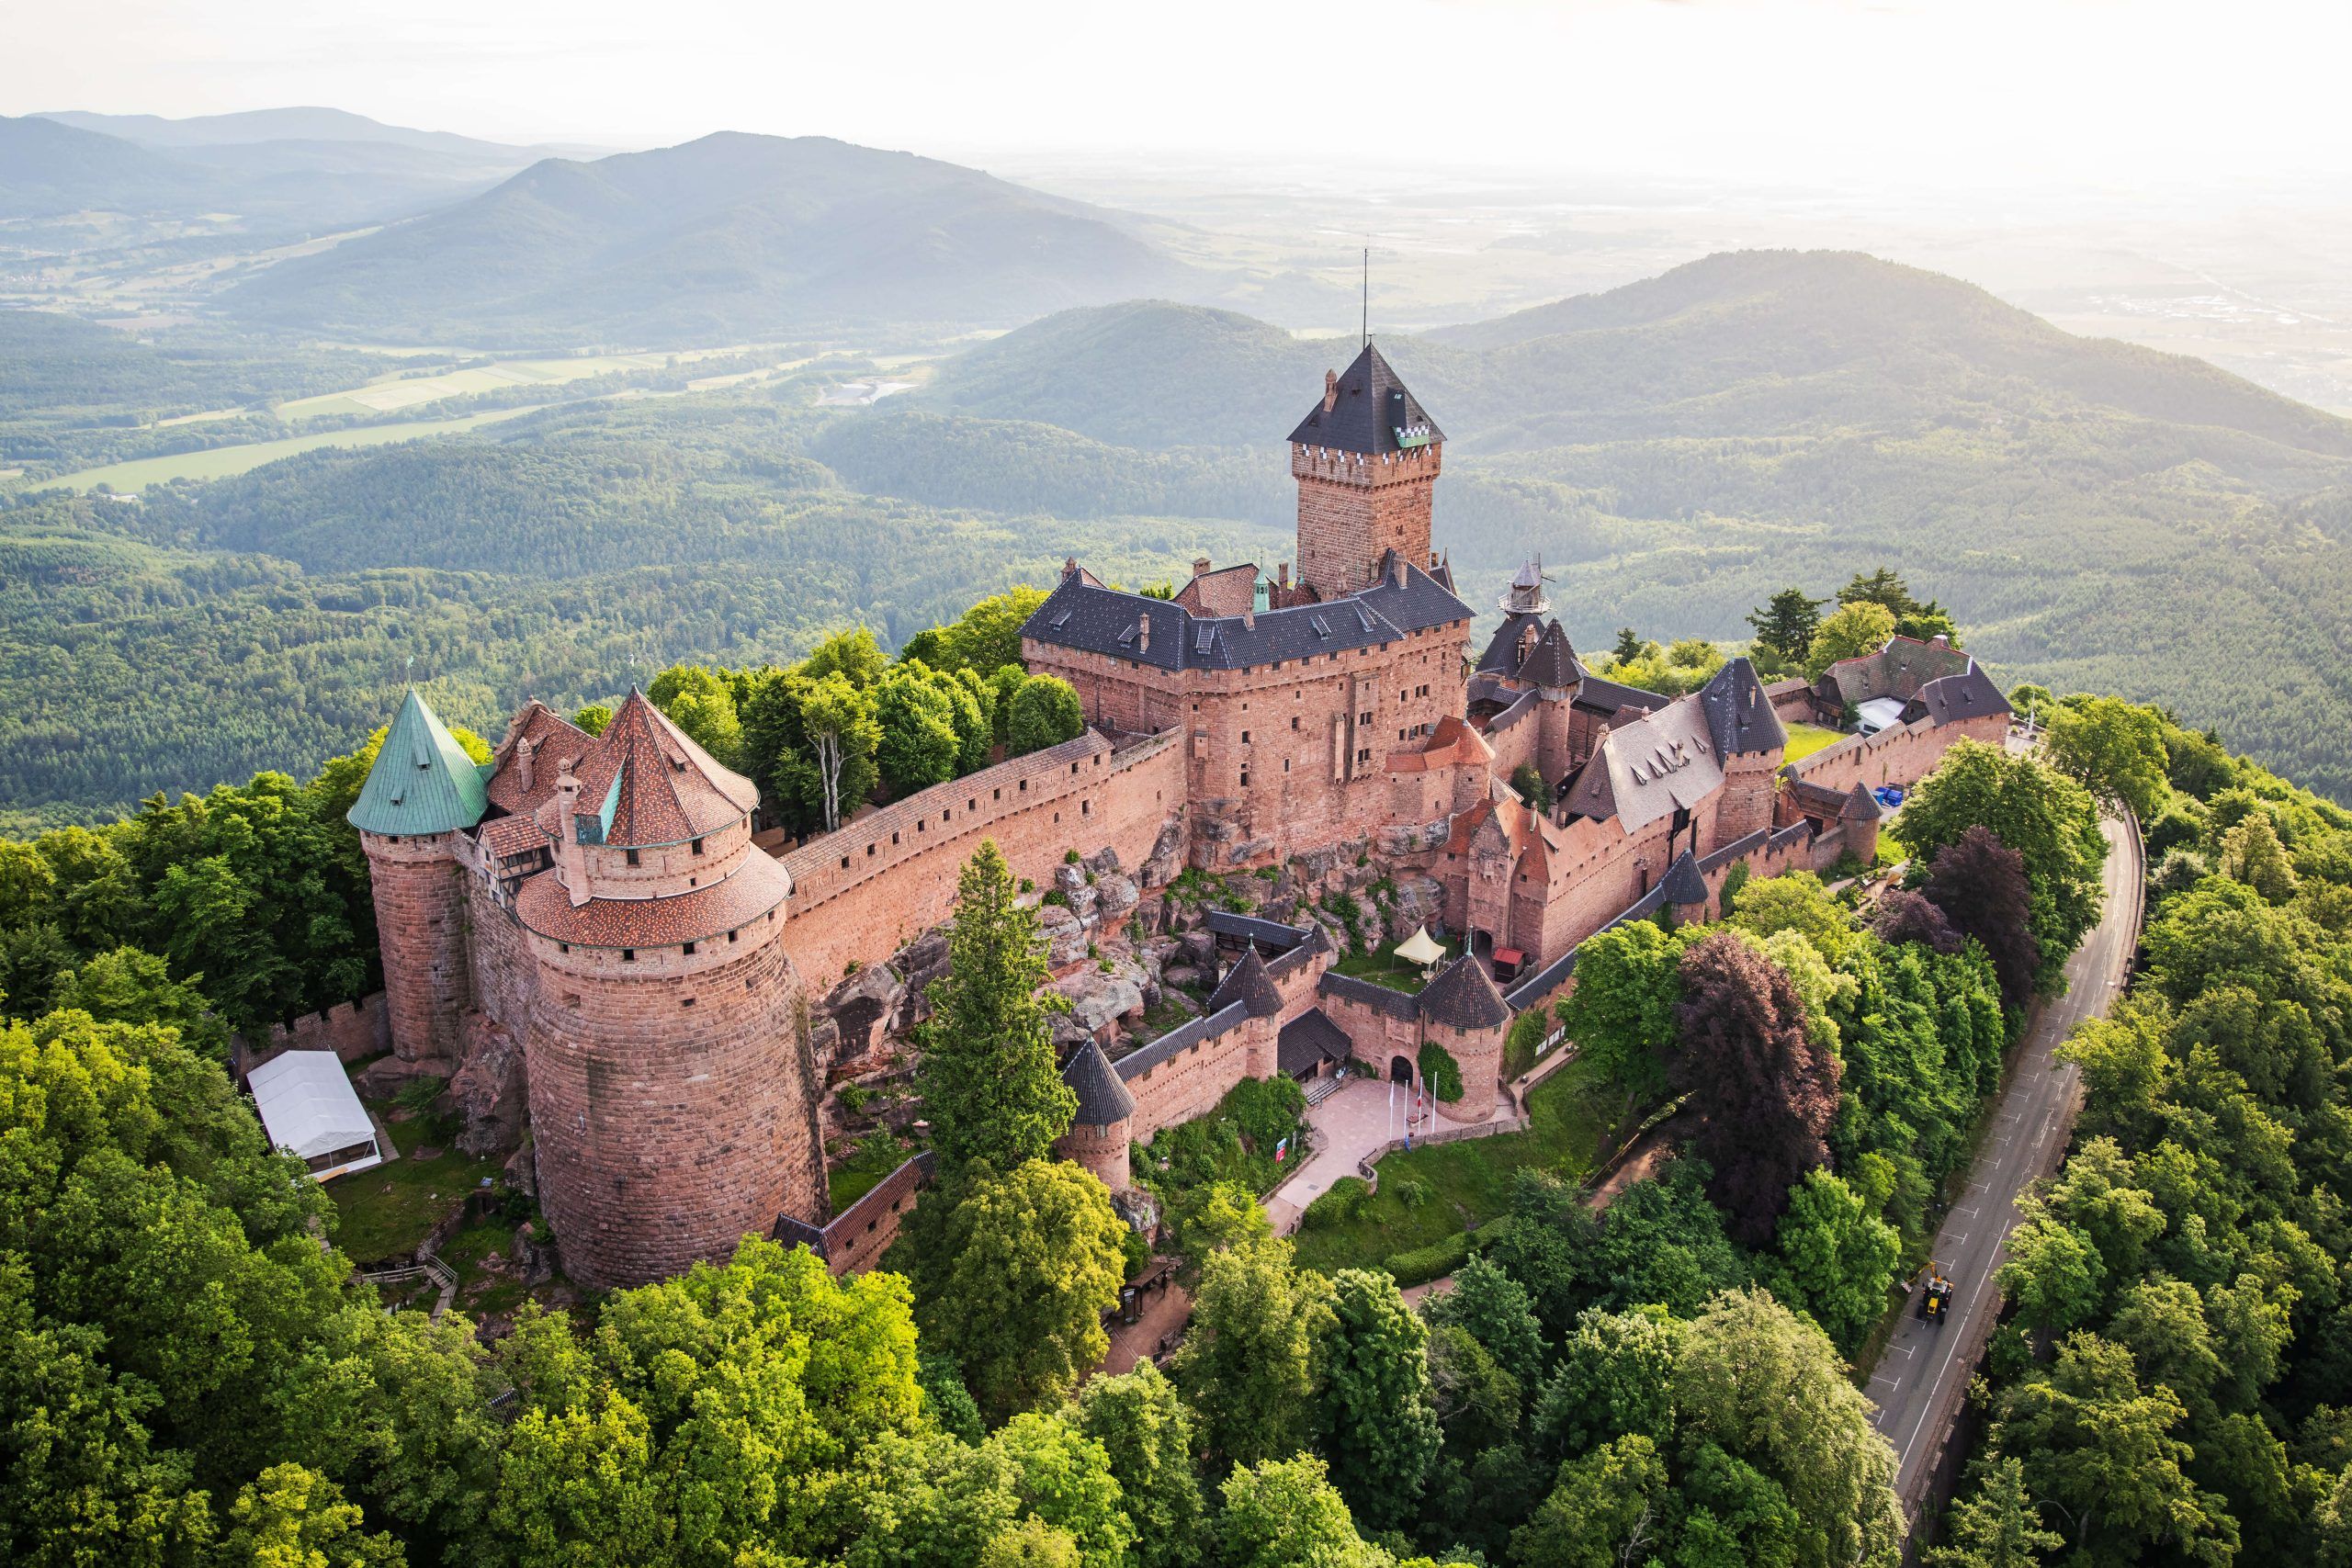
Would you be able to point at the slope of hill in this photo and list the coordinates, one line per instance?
(293, 124)
(728, 235)
(47, 169)
(2104, 517)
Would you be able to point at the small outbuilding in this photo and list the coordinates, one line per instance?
(309, 1107)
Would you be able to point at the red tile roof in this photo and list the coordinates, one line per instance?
(757, 886)
(508, 836)
(553, 738)
(671, 789)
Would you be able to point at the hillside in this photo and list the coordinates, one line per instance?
(293, 124)
(2104, 517)
(724, 237)
(48, 169)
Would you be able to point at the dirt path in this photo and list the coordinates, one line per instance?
(1131, 1343)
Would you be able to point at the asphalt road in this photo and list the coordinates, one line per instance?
(1920, 1382)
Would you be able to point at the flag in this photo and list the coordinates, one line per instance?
(1281, 1149)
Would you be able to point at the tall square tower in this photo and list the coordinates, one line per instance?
(1366, 460)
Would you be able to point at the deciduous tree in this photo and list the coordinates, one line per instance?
(1375, 1420)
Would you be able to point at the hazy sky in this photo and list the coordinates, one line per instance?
(1968, 93)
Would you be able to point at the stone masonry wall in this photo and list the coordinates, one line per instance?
(1191, 1083)
(670, 1110)
(1351, 508)
(1900, 756)
(420, 893)
(865, 891)
(353, 1031)
(504, 976)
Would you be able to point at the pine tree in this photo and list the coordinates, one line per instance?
(1785, 625)
(988, 1082)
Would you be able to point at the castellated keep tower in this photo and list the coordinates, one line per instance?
(601, 900)
(1366, 460)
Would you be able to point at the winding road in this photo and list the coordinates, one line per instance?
(1922, 1378)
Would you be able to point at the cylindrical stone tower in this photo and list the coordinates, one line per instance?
(671, 1086)
(423, 793)
(1462, 1012)
(1099, 1132)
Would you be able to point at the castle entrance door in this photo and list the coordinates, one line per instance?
(1400, 1069)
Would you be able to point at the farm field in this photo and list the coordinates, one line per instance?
(220, 462)
(390, 394)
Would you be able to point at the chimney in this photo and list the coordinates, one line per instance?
(1282, 574)
(1143, 635)
(525, 762)
(1249, 619)
(1069, 567)
(570, 857)
(1330, 391)
(1941, 640)
(1199, 565)
(1397, 570)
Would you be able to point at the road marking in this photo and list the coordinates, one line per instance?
(1970, 1211)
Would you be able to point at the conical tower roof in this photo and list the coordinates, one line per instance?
(1103, 1099)
(652, 783)
(1684, 883)
(1249, 984)
(422, 782)
(1463, 996)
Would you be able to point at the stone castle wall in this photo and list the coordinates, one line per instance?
(1900, 756)
(1191, 1083)
(671, 1101)
(419, 889)
(506, 978)
(354, 1031)
(1351, 508)
(867, 890)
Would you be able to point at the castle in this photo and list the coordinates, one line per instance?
(592, 915)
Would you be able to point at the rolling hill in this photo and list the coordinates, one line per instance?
(723, 237)
(48, 169)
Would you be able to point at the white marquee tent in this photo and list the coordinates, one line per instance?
(307, 1103)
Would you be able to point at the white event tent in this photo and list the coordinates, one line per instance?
(307, 1104)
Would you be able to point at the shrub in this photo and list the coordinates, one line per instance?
(1055, 896)
(1266, 1109)
(1412, 1191)
(1069, 857)
(1733, 880)
(1527, 1033)
(1440, 1071)
(1434, 1261)
(1342, 1203)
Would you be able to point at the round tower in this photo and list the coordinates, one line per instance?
(671, 1085)
(1099, 1132)
(422, 795)
(1462, 1012)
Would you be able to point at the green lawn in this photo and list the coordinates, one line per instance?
(384, 1213)
(1804, 740)
(1383, 967)
(1469, 1182)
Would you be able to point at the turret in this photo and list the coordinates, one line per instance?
(422, 794)
(1098, 1132)
(1366, 458)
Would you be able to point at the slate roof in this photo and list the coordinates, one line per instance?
(1085, 615)
(1249, 984)
(1951, 698)
(1273, 934)
(1609, 697)
(1184, 1036)
(1308, 1039)
(1683, 884)
(1502, 657)
(1740, 719)
(1463, 996)
(1646, 768)
(1373, 402)
(1860, 806)
(1380, 999)
(1101, 1098)
(1552, 663)
(662, 787)
(1898, 668)
(422, 781)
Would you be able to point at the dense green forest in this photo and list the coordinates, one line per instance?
(2175, 1383)
(2101, 518)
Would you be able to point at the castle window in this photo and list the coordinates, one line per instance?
(869, 850)
(1086, 808)
(1294, 721)
(628, 955)
(686, 1002)
(894, 836)
(1245, 778)
(844, 862)
(997, 793)
(971, 805)
(563, 947)
(688, 949)
(632, 857)
(1245, 738)
(572, 998)
(697, 846)
(1025, 787)
(732, 936)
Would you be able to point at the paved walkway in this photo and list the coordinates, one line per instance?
(1164, 1311)
(1923, 1371)
(1363, 1114)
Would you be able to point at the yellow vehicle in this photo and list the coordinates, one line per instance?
(1935, 1302)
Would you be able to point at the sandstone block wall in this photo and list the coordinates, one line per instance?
(504, 975)
(353, 1031)
(856, 1240)
(1900, 756)
(1351, 508)
(864, 892)
(420, 896)
(1191, 1083)
(671, 1108)
(1101, 1150)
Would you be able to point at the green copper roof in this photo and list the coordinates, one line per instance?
(422, 781)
